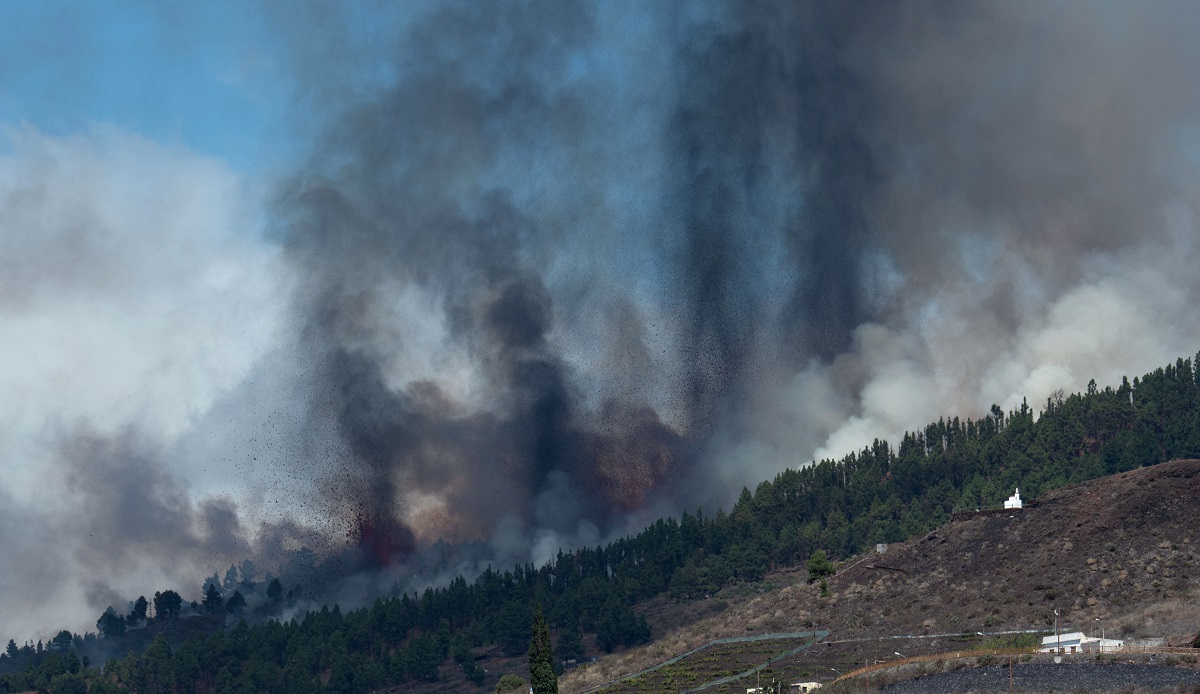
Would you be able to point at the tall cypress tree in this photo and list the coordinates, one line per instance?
(541, 657)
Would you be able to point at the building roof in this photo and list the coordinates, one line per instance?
(1072, 636)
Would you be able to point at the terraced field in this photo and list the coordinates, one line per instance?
(717, 667)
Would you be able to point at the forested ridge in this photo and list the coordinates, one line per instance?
(880, 494)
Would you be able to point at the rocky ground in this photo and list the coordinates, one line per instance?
(1121, 554)
(1048, 677)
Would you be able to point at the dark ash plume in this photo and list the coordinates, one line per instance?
(431, 188)
(556, 268)
(794, 208)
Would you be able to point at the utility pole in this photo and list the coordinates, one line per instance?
(1057, 636)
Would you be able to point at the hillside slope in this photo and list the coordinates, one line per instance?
(1119, 553)
(1096, 550)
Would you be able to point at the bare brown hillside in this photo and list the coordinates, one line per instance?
(1118, 553)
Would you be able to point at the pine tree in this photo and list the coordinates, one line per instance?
(541, 657)
(570, 641)
(138, 615)
(110, 625)
(236, 603)
(212, 599)
(167, 604)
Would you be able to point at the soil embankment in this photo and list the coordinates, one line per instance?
(1048, 677)
(1119, 554)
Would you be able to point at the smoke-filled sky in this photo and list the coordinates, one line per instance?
(526, 275)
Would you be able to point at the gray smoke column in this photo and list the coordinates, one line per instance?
(640, 242)
(554, 269)
(398, 206)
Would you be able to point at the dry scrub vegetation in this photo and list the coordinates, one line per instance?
(1119, 552)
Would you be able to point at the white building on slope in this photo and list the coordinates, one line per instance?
(1076, 642)
(1014, 501)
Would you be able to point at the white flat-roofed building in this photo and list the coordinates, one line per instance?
(1078, 642)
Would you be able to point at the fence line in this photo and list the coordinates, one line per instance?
(815, 635)
(1032, 650)
(1155, 650)
(935, 656)
(820, 634)
(756, 668)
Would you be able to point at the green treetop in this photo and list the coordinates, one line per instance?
(541, 657)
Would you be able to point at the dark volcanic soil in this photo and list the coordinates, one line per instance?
(1095, 551)
(1042, 677)
(1121, 553)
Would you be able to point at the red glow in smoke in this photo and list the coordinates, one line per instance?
(381, 539)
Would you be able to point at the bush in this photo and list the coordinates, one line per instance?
(819, 566)
(510, 683)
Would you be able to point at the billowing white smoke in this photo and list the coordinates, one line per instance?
(1132, 312)
(1035, 221)
(134, 293)
(1009, 210)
